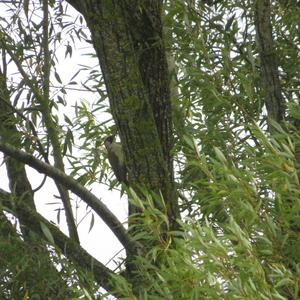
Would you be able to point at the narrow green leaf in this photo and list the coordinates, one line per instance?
(57, 77)
(92, 222)
(47, 233)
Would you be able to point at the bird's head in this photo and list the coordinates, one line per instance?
(109, 140)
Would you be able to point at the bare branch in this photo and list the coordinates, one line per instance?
(107, 216)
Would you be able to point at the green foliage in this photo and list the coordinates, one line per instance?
(238, 184)
(22, 263)
(240, 241)
(25, 272)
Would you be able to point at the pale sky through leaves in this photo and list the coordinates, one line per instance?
(99, 242)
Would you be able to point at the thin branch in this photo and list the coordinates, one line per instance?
(52, 127)
(67, 181)
(46, 53)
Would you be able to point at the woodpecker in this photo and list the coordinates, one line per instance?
(116, 158)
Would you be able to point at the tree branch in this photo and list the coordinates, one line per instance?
(52, 126)
(107, 216)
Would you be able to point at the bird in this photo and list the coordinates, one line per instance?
(116, 158)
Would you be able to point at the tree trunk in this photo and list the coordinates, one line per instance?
(128, 42)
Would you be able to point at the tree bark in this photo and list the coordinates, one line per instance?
(129, 45)
(269, 68)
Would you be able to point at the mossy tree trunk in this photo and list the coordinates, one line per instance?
(127, 37)
(128, 41)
